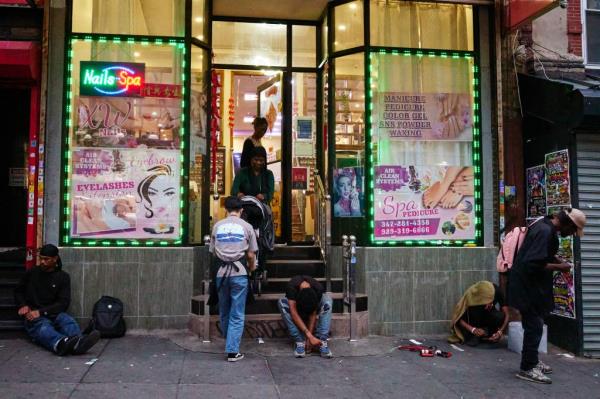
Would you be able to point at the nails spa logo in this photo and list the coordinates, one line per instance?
(111, 79)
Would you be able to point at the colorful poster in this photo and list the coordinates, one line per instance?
(271, 104)
(536, 192)
(424, 116)
(424, 203)
(125, 193)
(557, 179)
(564, 283)
(299, 178)
(348, 196)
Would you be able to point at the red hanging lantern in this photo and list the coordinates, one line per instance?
(215, 88)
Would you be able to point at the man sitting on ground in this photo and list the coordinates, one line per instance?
(476, 317)
(306, 311)
(43, 296)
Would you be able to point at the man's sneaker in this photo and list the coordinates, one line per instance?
(544, 368)
(234, 357)
(85, 342)
(300, 350)
(325, 351)
(65, 346)
(534, 375)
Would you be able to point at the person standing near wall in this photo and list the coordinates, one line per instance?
(233, 242)
(530, 284)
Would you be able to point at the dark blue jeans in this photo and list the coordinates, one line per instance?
(47, 332)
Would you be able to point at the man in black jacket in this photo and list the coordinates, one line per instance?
(530, 284)
(43, 296)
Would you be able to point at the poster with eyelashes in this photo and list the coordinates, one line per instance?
(128, 193)
(424, 203)
(423, 116)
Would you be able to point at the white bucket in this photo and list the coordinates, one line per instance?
(515, 338)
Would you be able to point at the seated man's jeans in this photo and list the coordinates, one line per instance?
(232, 306)
(323, 319)
(47, 332)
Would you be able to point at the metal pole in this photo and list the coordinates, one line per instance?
(206, 292)
(352, 281)
(345, 253)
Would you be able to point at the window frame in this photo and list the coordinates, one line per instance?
(584, 37)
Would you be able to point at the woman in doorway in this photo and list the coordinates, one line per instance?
(255, 180)
(260, 128)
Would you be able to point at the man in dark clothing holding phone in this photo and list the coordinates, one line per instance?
(43, 296)
(306, 311)
(530, 284)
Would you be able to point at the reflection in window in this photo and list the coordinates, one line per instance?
(199, 19)
(134, 17)
(396, 23)
(241, 43)
(304, 46)
(349, 31)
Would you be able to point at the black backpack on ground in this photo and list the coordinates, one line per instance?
(107, 318)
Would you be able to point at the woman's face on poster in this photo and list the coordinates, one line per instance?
(345, 187)
(163, 194)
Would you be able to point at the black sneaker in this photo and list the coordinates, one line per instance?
(65, 346)
(234, 357)
(85, 342)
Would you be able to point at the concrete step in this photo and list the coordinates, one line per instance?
(296, 252)
(286, 268)
(11, 270)
(271, 326)
(11, 325)
(267, 303)
(279, 284)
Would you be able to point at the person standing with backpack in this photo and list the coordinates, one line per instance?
(530, 284)
(233, 243)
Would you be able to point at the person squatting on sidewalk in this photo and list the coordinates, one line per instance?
(304, 299)
(43, 296)
(530, 284)
(233, 243)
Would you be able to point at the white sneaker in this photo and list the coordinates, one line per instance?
(234, 357)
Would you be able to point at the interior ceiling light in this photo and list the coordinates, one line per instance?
(342, 27)
(353, 6)
(136, 54)
(200, 37)
(250, 97)
(198, 19)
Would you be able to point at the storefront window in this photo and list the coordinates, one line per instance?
(348, 173)
(199, 19)
(199, 107)
(304, 46)
(349, 26)
(399, 23)
(425, 147)
(241, 43)
(124, 160)
(130, 17)
(324, 40)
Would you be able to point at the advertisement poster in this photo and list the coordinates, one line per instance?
(123, 122)
(557, 179)
(536, 192)
(424, 116)
(424, 203)
(564, 283)
(299, 178)
(271, 105)
(348, 196)
(125, 193)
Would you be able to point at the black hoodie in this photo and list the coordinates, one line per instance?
(47, 292)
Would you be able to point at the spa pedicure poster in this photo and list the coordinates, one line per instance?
(424, 203)
(125, 193)
(423, 116)
(536, 192)
(558, 190)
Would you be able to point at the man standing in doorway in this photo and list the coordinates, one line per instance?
(306, 311)
(43, 296)
(233, 243)
(530, 284)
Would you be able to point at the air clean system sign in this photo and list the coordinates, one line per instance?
(111, 79)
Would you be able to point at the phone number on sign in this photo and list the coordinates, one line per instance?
(404, 223)
(405, 231)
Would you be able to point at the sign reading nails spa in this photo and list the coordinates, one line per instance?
(111, 79)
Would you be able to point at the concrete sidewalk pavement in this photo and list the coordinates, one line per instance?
(179, 365)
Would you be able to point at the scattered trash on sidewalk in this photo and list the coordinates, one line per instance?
(458, 348)
(426, 351)
(567, 355)
(92, 361)
(67, 368)
(260, 340)
(414, 341)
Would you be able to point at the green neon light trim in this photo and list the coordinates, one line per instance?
(476, 147)
(178, 43)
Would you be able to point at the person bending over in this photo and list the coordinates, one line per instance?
(306, 311)
(43, 296)
(476, 316)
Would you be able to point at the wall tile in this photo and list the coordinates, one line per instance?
(75, 271)
(165, 289)
(119, 280)
(390, 295)
(435, 295)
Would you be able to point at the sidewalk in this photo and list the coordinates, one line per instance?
(178, 365)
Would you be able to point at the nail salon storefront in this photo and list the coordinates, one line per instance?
(390, 101)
